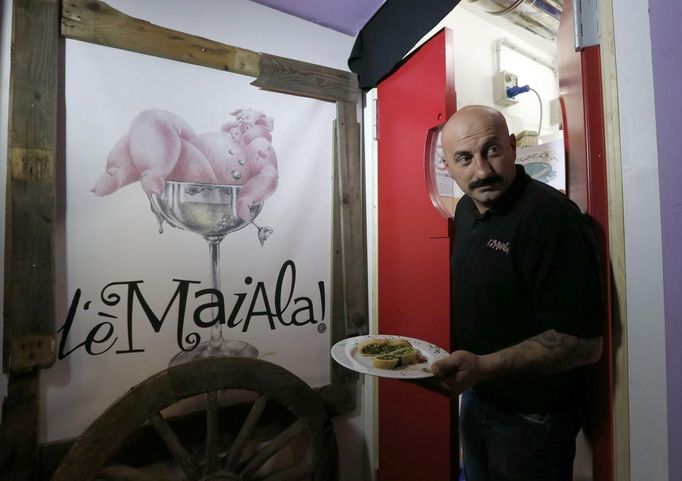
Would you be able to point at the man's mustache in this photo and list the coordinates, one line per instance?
(493, 179)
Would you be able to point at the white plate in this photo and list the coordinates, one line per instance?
(346, 353)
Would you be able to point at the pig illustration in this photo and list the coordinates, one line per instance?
(253, 166)
(192, 166)
(120, 170)
(249, 124)
(149, 152)
(160, 146)
(263, 178)
(226, 157)
(253, 117)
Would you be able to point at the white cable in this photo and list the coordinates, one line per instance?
(540, 101)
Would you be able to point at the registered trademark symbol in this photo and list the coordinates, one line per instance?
(321, 327)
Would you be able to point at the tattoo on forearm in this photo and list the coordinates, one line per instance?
(548, 352)
(553, 340)
(568, 350)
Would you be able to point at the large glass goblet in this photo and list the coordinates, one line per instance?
(210, 211)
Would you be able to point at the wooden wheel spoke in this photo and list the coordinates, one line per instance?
(127, 431)
(212, 433)
(174, 445)
(126, 473)
(261, 456)
(245, 432)
(290, 473)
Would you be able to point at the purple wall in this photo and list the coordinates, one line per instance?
(346, 16)
(666, 38)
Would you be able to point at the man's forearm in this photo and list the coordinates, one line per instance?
(546, 353)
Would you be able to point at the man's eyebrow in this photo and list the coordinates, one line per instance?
(461, 152)
(491, 141)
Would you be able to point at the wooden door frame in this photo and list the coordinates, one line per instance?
(34, 144)
(620, 413)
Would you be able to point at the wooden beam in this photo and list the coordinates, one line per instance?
(30, 213)
(285, 75)
(29, 251)
(351, 197)
(19, 434)
(96, 22)
(349, 255)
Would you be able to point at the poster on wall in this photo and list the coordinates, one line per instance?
(197, 222)
(545, 162)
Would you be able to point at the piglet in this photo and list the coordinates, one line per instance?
(120, 170)
(192, 166)
(262, 176)
(155, 144)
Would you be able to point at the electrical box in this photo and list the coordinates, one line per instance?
(501, 81)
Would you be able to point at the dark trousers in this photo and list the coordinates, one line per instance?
(507, 446)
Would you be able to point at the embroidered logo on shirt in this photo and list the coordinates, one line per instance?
(498, 245)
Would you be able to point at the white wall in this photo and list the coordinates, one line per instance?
(249, 26)
(475, 36)
(646, 343)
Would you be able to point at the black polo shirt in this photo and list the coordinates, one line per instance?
(529, 264)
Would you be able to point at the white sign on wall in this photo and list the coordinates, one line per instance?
(545, 162)
(161, 259)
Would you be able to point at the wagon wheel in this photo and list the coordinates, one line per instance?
(89, 457)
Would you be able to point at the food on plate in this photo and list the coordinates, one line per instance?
(385, 361)
(375, 347)
(406, 355)
(389, 353)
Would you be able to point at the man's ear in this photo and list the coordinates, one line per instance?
(512, 141)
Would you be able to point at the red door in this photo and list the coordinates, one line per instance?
(416, 431)
(583, 123)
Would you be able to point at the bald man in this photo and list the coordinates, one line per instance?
(527, 308)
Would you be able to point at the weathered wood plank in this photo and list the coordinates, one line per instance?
(285, 75)
(30, 212)
(350, 172)
(29, 259)
(96, 22)
(31, 351)
(19, 435)
(350, 306)
(341, 377)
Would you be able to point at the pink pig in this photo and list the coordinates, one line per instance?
(149, 152)
(253, 166)
(225, 156)
(120, 169)
(262, 162)
(160, 146)
(249, 125)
